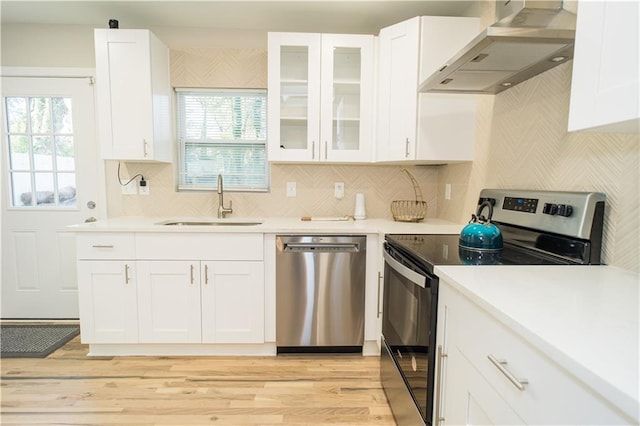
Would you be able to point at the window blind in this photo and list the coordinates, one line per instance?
(223, 132)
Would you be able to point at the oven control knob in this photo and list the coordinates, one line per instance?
(565, 210)
(551, 209)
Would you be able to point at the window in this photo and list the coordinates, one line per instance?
(42, 169)
(223, 132)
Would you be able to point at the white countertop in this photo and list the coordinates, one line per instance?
(292, 225)
(585, 318)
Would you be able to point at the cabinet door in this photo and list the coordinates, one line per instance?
(398, 90)
(470, 399)
(463, 395)
(346, 109)
(605, 89)
(108, 302)
(133, 95)
(169, 301)
(294, 96)
(233, 302)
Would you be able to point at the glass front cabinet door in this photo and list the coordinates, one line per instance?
(320, 97)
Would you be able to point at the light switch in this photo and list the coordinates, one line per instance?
(291, 189)
(339, 190)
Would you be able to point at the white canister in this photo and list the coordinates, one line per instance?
(359, 212)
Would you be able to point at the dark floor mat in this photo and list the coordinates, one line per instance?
(34, 341)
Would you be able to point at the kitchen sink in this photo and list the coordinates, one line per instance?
(206, 223)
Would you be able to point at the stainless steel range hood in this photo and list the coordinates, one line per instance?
(530, 37)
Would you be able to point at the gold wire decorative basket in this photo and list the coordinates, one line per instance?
(410, 210)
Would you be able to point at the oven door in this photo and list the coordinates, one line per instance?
(409, 325)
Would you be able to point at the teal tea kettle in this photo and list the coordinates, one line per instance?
(480, 240)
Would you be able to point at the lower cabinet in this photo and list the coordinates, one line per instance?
(201, 301)
(161, 296)
(169, 301)
(469, 397)
(232, 299)
(489, 374)
(108, 301)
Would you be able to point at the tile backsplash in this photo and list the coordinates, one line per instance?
(315, 192)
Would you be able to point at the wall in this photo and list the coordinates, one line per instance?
(28, 45)
(522, 142)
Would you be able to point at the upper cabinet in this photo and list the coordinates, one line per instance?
(133, 95)
(321, 94)
(605, 94)
(422, 127)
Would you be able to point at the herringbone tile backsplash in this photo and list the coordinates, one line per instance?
(521, 141)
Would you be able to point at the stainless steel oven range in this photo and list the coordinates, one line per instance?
(538, 228)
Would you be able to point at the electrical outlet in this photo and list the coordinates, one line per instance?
(447, 191)
(130, 189)
(291, 189)
(338, 190)
(144, 189)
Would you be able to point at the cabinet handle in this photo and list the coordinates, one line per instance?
(378, 305)
(500, 365)
(144, 147)
(102, 246)
(191, 273)
(126, 274)
(406, 148)
(441, 356)
(206, 274)
(325, 149)
(313, 150)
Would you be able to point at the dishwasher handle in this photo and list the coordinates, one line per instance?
(321, 247)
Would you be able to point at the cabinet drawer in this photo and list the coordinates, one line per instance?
(550, 396)
(105, 246)
(188, 246)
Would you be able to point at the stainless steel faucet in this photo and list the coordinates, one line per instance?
(222, 210)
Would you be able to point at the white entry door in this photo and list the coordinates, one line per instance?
(52, 177)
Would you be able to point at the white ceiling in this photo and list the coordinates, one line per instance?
(354, 16)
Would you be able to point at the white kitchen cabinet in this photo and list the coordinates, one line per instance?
(422, 127)
(169, 301)
(172, 293)
(133, 96)
(108, 301)
(605, 93)
(471, 389)
(233, 302)
(201, 301)
(321, 93)
(107, 289)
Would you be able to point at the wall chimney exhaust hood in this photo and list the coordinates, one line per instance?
(530, 37)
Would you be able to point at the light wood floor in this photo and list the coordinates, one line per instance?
(68, 388)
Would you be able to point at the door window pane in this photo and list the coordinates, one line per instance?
(17, 115)
(40, 115)
(62, 122)
(22, 197)
(41, 152)
(19, 152)
(64, 153)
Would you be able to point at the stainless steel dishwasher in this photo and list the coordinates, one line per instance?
(320, 290)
